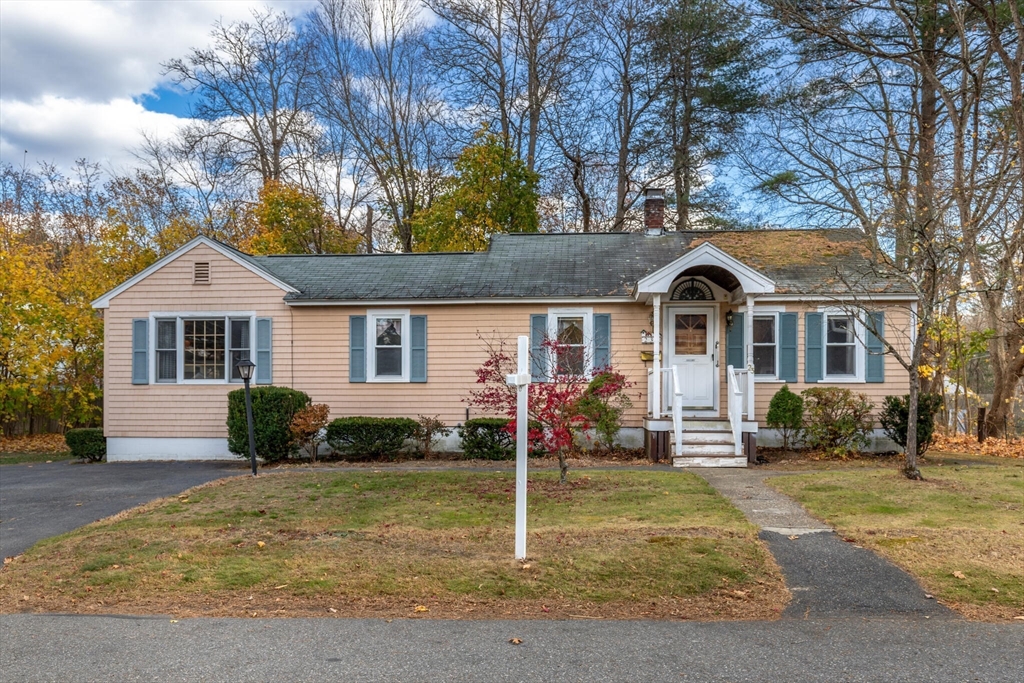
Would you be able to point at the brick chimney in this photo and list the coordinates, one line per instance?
(654, 211)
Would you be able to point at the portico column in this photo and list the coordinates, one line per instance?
(748, 335)
(656, 385)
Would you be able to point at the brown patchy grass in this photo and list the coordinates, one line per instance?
(412, 544)
(960, 532)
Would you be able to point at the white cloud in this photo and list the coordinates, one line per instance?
(62, 129)
(70, 69)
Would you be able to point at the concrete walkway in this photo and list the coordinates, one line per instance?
(827, 576)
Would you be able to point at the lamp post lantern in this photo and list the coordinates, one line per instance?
(246, 369)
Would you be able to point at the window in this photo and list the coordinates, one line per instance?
(200, 347)
(572, 329)
(167, 350)
(388, 340)
(240, 339)
(766, 346)
(840, 346)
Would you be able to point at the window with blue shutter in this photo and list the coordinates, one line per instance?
(357, 348)
(264, 351)
(418, 348)
(602, 341)
(734, 352)
(874, 363)
(140, 351)
(538, 354)
(787, 347)
(812, 347)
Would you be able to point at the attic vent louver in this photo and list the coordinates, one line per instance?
(201, 273)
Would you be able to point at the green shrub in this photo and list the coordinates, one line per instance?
(362, 438)
(487, 438)
(895, 414)
(273, 409)
(87, 444)
(836, 420)
(786, 414)
(603, 403)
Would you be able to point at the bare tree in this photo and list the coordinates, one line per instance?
(253, 89)
(373, 86)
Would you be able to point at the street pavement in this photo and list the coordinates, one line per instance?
(46, 499)
(71, 649)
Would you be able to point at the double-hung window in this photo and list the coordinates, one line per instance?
(766, 346)
(840, 346)
(571, 331)
(389, 338)
(201, 347)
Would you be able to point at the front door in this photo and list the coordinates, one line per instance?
(691, 348)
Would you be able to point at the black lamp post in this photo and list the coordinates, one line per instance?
(246, 369)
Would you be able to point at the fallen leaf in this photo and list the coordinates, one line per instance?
(526, 566)
(1019, 618)
(174, 621)
(332, 610)
(283, 585)
(959, 575)
(929, 596)
(515, 641)
(420, 608)
(793, 537)
(260, 543)
(994, 590)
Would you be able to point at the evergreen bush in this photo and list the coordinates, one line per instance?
(87, 444)
(365, 438)
(273, 409)
(786, 414)
(896, 413)
(836, 420)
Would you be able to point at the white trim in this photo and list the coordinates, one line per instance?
(180, 317)
(588, 333)
(104, 301)
(707, 254)
(371, 345)
(862, 298)
(468, 301)
(860, 349)
(760, 312)
(136, 448)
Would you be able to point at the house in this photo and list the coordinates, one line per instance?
(707, 325)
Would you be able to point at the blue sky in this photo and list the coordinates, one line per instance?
(81, 78)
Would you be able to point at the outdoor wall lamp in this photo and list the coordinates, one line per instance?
(728, 319)
(246, 369)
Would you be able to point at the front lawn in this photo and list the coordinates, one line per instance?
(960, 532)
(438, 544)
(19, 458)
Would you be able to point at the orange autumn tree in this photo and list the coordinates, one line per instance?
(288, 220)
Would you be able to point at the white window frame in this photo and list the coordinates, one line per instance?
(858, 345)
(765, 312)
(371, 344)
(180, 317)
(588, 334)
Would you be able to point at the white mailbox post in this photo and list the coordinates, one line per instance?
(521, 380)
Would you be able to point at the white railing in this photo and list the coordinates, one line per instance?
(735, 409)
(672, 381)
(744, 382)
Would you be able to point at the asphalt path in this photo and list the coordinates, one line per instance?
(46, 499)
(55, 648)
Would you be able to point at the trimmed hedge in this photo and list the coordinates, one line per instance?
(272, 411)
(486, 438)
(896, 413)
(87, 444)
(363, 438)
(836, 420)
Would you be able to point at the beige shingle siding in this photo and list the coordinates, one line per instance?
(183, 410)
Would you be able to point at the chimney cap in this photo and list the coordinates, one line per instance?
(654, 192)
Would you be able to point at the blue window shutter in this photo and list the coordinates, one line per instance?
(734, 354)
(140, 351)
(418, 348)
(357, 348)
(264, 351)
(787, 347)
(874, 364)
(812, 348)
(538, 354)
(602, 340)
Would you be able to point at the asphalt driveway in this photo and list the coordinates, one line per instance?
(45, 499)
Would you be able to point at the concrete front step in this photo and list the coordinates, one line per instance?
(708, 449)
(706, 437)
(707, 425)
(709, 461)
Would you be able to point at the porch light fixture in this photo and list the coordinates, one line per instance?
(728, 319)
(246, 369)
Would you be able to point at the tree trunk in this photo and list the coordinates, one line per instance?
(563, 467)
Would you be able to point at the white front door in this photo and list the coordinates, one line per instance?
(692, 331)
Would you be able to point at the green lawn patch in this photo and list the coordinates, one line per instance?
(960, 532)
(609, 544)
(17, 458)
